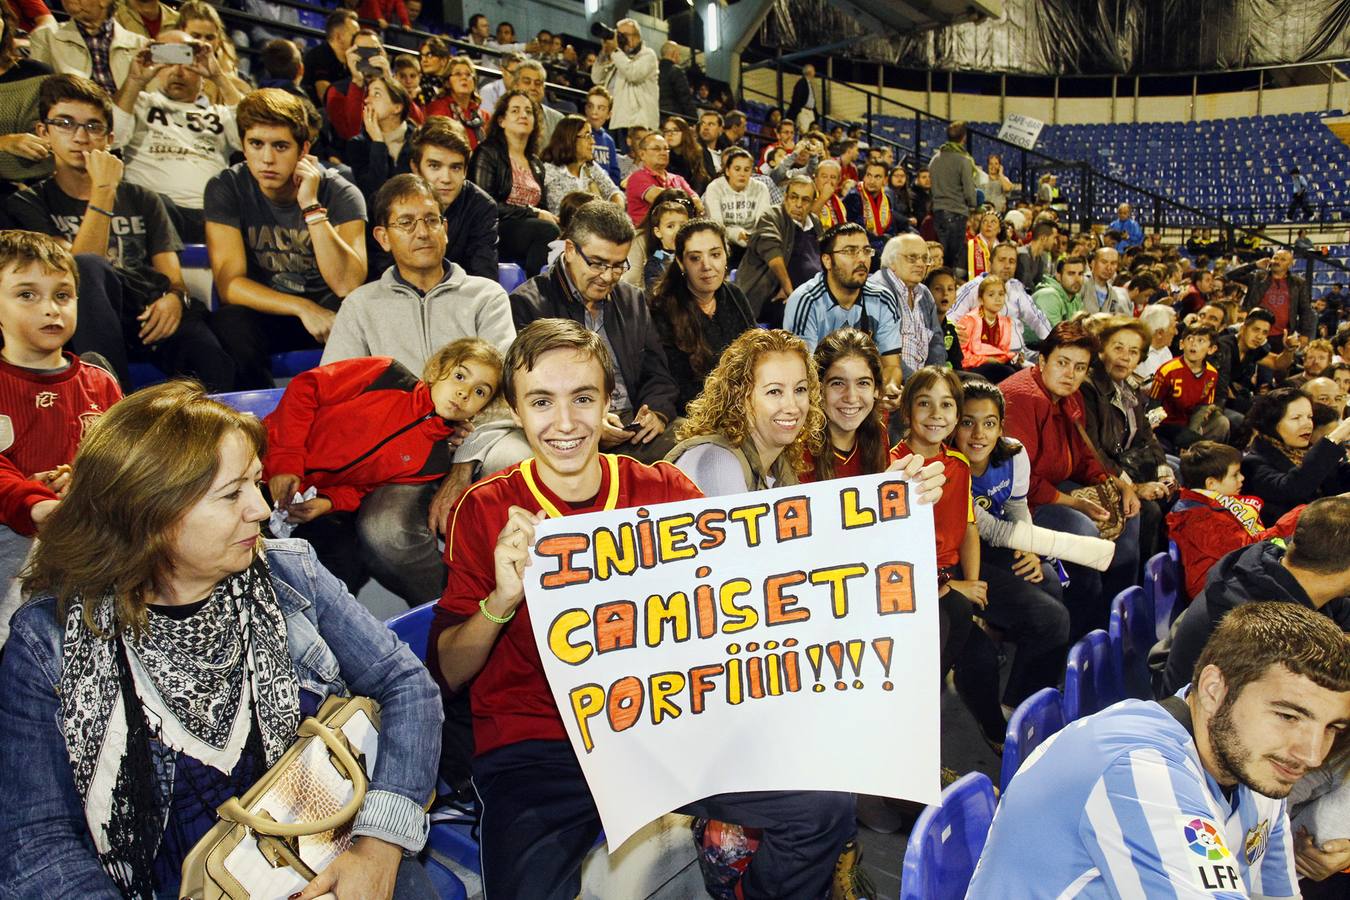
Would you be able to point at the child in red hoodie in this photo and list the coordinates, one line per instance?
(352, 426)
(48, 398)
(1210, 518)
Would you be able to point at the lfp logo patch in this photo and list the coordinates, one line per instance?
(1204, 840)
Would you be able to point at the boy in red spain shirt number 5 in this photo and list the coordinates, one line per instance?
(539, 819)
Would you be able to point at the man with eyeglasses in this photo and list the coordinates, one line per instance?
(586, 288)
(841, 297)
(421, 303)
(904, 264)
(654, 176)
(175, 139)
(88, 204)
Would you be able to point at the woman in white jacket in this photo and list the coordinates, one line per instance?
(734, 200)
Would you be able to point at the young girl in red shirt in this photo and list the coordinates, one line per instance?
(932, 406)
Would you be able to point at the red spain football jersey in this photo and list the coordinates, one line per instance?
(1182, 391)
(509, 696)
(955, 509)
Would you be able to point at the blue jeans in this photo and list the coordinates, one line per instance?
(951, 229)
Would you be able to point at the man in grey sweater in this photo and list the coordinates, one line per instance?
(420, 304)
(953, 175)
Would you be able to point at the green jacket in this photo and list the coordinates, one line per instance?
(1055, 301)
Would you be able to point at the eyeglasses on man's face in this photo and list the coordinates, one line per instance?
(863, 252)
(409, 224)
(603, 267)
(67, 125)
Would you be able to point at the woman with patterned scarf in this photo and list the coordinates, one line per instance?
(167, 658)
(1284, 466)
(460, 102)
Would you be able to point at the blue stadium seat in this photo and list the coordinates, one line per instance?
(510, 276)
(455, 840)
(288, 365)
(1131, 636)
(144, 374)
(447, 886)
(947, 841)
(193, 256)
(1162, 584)
(414, 627)
(260, 403)
(1089, 677)
(1034, 720)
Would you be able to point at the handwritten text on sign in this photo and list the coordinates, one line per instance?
(781, 640)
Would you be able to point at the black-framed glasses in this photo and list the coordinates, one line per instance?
(601, 267)
(408, 224)
(67, 125)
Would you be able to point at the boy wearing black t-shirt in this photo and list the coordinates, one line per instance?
(87, 205)
(287, 238)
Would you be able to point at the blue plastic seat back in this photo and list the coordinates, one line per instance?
(414, 627)
(1034, 720)
(447, 886)
(1131, 635)
(947, 841)
(1089, 678)
(260, 403)
(510, 276)
(293, 362)
(1162, 583)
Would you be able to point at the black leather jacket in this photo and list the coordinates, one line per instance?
(490, 169)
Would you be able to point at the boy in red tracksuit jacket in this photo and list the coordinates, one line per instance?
(1210, 518)
(354, 425)
(48, 398)
(350, 426)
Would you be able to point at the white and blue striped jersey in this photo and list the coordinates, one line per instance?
(812, 313)
(1118, 805)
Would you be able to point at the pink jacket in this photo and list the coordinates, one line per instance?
(974, 350)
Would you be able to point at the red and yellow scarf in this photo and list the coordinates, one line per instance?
(876, 213)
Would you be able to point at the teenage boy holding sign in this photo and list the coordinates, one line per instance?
(539, 819)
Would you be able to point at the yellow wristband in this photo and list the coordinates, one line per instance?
(495, 620)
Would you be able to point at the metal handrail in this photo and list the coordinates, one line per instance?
(1045, 161)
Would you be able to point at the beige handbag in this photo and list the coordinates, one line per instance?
(297, 818)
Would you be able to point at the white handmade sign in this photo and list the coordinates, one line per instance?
(1022, 131)
(778, 640)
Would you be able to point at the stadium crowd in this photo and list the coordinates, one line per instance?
(704, 310)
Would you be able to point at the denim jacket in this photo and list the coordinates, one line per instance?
(338, 648)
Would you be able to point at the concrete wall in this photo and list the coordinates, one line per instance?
(847, 102)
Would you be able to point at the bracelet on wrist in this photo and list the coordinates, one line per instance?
(99, 209)
(494, 619)
(312, 208)
(315, 219)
